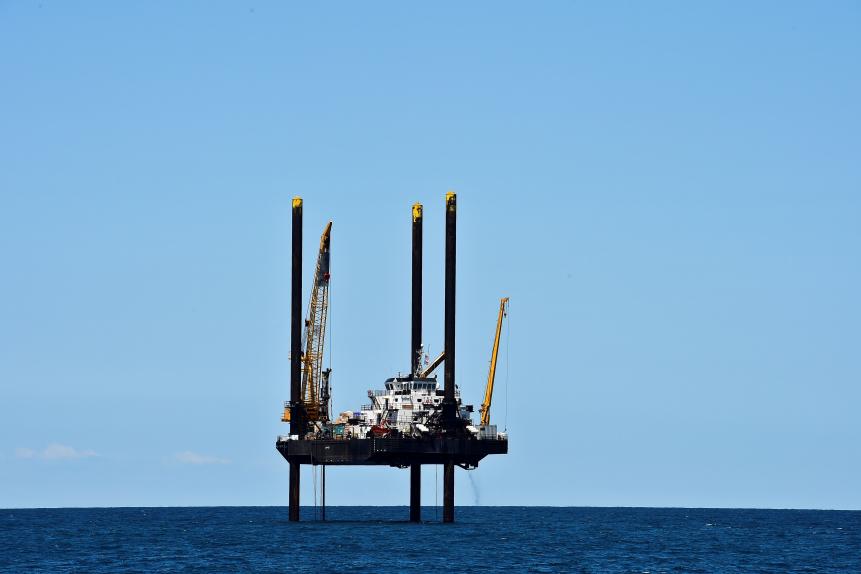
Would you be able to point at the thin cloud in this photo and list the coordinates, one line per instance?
(54, 451)
(188, 457)
(25, 453)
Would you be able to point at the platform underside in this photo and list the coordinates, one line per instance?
(400, 452)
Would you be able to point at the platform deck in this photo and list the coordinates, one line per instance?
(399, 452)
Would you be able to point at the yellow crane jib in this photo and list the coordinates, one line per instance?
(315, 333)
(488, 391)
(314, 337)
(436, 363)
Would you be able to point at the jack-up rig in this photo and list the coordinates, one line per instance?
(409, 423)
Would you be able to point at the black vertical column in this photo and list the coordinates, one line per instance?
(415, 492)
(448, 492)
(449, 407)
(416, 339)
(294, 492)
(297, 411)
(415, 346)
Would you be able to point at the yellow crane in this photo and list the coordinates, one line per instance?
(315, 381)
(488, 391)
(436, 363)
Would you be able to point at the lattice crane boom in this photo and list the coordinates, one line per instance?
(315, 335)
(488, 391)
(315, 381)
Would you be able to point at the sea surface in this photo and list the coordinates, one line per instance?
(377, 540)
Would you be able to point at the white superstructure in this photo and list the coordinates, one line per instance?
(406, 405)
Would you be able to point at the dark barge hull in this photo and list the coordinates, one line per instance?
(400, 452)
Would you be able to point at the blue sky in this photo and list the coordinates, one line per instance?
(669, 193)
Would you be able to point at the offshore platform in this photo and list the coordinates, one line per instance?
(409, 423)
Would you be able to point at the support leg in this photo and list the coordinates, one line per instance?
(415, 493)
(448, 492)
(294, 492)
(323, 494)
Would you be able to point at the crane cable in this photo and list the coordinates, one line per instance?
(331, 336)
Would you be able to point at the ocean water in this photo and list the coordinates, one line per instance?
(379, 540)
